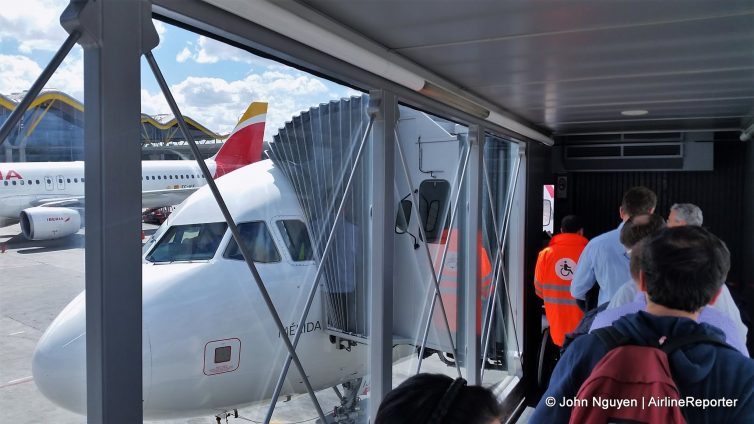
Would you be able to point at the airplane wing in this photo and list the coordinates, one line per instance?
(167, 197)
(70, 202)
(149, 199)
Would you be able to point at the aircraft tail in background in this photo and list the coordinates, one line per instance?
(244, 144)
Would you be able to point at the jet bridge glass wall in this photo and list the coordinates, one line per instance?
(434, 160)
(304, 219)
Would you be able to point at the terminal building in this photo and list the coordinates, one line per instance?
(52, 130)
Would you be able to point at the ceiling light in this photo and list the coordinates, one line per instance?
(634, 112)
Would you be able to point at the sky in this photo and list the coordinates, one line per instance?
(212, 82)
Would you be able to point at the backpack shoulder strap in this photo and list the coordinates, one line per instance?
(675, 343)
(611, 337)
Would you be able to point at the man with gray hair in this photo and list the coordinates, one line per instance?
(685, 214)
(682, 214)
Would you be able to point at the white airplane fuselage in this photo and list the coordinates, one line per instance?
(29, 184)
(192, 308)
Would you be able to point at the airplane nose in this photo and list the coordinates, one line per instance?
(59, 361)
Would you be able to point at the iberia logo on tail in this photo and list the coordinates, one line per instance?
(244, 144)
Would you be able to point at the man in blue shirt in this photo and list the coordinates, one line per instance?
(604, 260)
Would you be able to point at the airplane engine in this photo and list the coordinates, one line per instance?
(47, 223)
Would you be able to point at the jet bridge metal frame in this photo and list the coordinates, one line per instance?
(112, 83)
(112, 51)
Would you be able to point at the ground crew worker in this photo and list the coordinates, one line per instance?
(556, 266)
(448, 279)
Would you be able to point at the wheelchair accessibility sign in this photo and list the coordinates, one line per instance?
(565, 268)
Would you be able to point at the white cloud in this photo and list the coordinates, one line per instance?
(35, 25)
(208, 51)
(160, 27)
(18, 73)
(218, 103)
(183, 55)
(153, 104)
(69, 78)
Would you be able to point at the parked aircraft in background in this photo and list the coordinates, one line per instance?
(48, 197)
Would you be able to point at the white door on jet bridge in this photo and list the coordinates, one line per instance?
(435, 143)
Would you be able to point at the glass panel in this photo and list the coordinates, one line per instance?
(502, 299)
(403, 217)
(434, 200)
(259, 242)
(313, 157)
(430, 162)
(296, 239)
(195, 309)
(194, 242)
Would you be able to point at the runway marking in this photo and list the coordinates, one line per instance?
(16, 333)
(17, 381)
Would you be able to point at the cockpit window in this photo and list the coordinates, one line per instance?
(296, 239)
(192, 242)
(258, 240)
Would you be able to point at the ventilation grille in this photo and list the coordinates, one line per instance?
(615, 151)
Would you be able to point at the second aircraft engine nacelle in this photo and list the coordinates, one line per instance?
(43, 223)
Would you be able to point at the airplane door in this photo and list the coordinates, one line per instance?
(48, 183)
(61, 182)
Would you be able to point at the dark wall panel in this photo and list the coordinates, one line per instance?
(747, 237)
(596, 196)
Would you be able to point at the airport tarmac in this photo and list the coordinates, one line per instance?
(37, 280)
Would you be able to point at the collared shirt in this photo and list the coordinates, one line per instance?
(604, 261)
(724, 303)
(709, 315)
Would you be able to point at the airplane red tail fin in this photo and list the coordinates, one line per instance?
(244, 144)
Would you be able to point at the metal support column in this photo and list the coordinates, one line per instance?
(471, 234)
(114, 34)
(382, 223)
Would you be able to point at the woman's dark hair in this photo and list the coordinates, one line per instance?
(639, 227)
(437, 399)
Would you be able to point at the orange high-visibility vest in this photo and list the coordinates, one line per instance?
(448, 279)
(556, 266)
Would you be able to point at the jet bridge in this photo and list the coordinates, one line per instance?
(319, 151)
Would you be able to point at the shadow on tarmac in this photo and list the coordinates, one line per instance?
(24, 246)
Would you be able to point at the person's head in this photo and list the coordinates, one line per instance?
(635, 261)
(639, 227)
(571, 224)
(685, 214)
(437, 399)
(637, 200)
(683, 268)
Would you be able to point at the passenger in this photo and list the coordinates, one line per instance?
(553, 274)
(633, 231)
(708, 314)
(682, 270)
(685, 214)
(604, 260)
(438, 399)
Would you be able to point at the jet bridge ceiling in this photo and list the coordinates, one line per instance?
(573, 66)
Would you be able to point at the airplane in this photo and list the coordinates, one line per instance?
(209, 344)
(48, 197)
